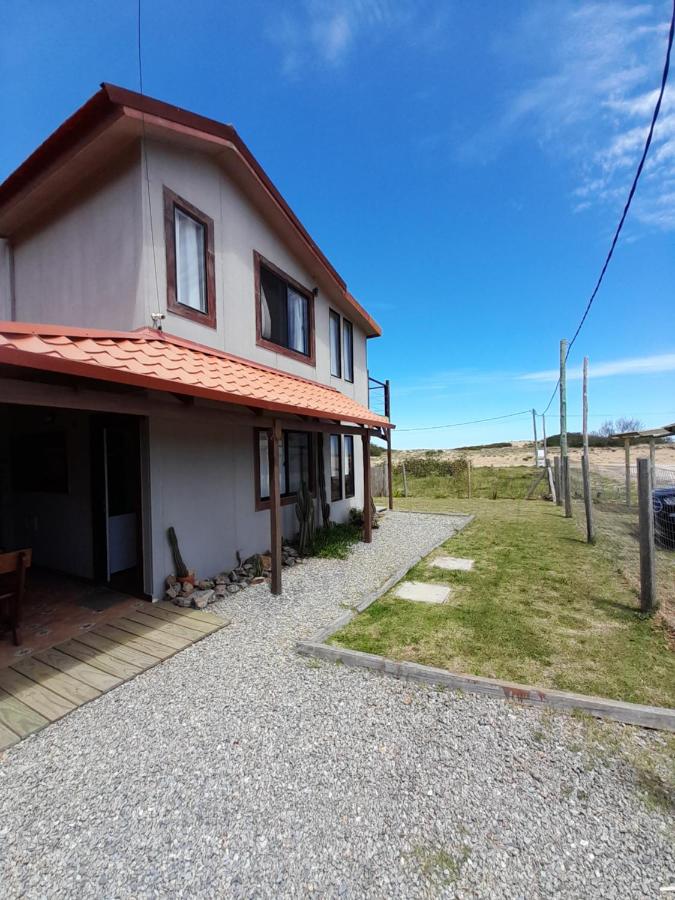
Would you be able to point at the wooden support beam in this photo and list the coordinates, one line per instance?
(626, 445)
(648, 599)
(390, 474)
(367, 500)
(275, 506)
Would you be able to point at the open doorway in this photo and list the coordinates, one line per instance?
(71, 493)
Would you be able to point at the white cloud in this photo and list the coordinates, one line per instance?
(637, 365)
(592, 73)
(324, 32)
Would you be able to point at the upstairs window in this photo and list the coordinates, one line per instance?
(335, 468)
(335, 345)
(348, 350)
(295, 465)
(190, 271)
(284, 313)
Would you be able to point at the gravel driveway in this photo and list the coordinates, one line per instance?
(239, 769)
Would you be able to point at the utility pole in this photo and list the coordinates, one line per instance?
(586, 463)
(543, 430)
(534, 427)
(564, 460)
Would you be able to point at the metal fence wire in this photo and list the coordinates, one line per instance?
(614, 489)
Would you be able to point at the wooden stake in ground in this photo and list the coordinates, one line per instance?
(405, 480)
(534, 428)
(648, 600)
(585, 461)
(558, 481)
(564, 467)
(626, 445)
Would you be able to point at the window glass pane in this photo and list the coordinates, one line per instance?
(298, 460)
(190, 262)
(349, 465)
(335, 468)
(264, 464)
(335, 355)
(348, 341)
(298, 331)
(273, 310)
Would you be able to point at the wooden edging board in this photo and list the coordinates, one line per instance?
(656, 717)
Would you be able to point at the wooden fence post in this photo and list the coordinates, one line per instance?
(565, 469)
(551, 481)
(556, 478)
(648, 600)
(536, 446)
(405, 479)
(652, 459)
(626, 444)
(585, 461)
(367, 497)
(390, 473)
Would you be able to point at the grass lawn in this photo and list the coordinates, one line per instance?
(540, 607)
(487, 482)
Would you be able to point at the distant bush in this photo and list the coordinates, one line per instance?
(376, 450)
(422, 468)
(496, 446)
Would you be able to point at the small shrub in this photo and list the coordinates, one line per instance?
(336, 541)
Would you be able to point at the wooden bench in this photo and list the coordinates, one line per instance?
(13, 567)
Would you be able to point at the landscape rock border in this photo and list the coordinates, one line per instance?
(656, 717)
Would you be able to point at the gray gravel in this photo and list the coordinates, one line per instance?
(238, 769)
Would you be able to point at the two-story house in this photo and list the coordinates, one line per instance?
(175, 350)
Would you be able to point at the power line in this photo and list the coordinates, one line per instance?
(631, 193)
(473, 422)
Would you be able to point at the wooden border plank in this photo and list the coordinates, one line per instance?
(85, 673)
(65, 685)
(154, 634)
(168, 615)
(147, 646)
(18, 717)
(50, 705)
(202, 615)
(7, 737)
(184, 631)
(102, 661)
(100, 640)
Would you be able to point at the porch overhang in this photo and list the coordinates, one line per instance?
(159, 362)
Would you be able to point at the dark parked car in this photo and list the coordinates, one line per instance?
(663, 502)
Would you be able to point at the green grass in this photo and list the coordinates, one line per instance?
(510, 483)
(541, 607)
(336, 541)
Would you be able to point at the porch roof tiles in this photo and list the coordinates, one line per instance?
(159, 361)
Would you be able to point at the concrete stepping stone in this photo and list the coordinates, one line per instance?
(421, 592)
(453, 563)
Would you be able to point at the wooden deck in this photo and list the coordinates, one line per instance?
(41, 688)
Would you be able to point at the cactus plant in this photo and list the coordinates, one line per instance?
(304, 510)
(181, 569)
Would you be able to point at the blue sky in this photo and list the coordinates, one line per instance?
(463, 165)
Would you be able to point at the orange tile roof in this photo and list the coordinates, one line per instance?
(160, 361)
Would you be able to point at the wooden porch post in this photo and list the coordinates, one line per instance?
(367, 501)
(275, 506)
(390, 474)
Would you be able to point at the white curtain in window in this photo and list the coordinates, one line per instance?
(264, 461)
(297, 321)
(190, 263)
(266, 324)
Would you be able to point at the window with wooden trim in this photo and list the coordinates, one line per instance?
(190, 262)
(295, 464)
(335, 467)
(284, 312)
(349, 465)
(348, 350)
(335, 344)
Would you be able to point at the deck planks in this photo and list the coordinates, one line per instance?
(40, 688)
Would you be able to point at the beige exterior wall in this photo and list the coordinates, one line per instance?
(80, 266)
(239, 229)
(202, 482)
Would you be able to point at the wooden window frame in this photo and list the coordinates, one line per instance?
(334, 315)
(286, 499)
(259, 261)
(172, 202)
(330, 467)
(348, 322)
(345, 439)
